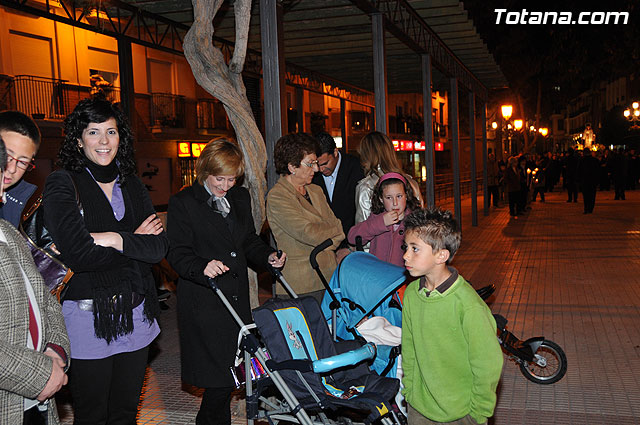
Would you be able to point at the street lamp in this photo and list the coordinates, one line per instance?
(518, 124)
(507, 110)
(633, 115)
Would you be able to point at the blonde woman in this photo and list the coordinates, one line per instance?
(212, 235)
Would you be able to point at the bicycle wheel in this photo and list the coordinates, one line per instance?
(549, 366)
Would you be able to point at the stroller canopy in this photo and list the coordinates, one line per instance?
(364, 285)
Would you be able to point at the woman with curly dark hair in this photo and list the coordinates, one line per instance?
(102, 221)
(299, 215)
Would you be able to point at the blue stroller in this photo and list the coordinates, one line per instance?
(296, 373)
(364, 286)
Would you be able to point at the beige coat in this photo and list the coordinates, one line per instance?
(298, 227)
(24, 372)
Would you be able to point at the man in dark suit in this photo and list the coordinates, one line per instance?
(338, 176)
(588, 169)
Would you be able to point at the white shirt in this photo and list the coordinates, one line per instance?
(330, 181)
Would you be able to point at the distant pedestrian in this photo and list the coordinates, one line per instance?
(570, 176)
(620, 168)
(588, 169)
(538, 180)
(493, 178)
(605, 170)
(524, 184)
(512, 182)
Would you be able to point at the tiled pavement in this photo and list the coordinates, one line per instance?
(571, 277)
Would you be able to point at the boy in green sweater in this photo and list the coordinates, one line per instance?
(450, 353)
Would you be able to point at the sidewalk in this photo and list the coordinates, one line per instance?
(571, 277)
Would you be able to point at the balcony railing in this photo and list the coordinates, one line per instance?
(167, 110)
(41, 97)
(49, 98)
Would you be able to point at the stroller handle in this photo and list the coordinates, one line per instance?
(317, 250)
(314, 264)
(353, 357)
(359, 244)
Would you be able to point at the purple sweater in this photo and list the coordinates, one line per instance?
(386, 242)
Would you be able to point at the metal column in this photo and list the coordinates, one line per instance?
(430, 200)
(300, 108)
(485, 175)
(343, 123)
(472, 152)
(125, 67)
(273, 79)
(454, 125)
(379, 72)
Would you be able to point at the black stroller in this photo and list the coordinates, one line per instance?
(316, 380)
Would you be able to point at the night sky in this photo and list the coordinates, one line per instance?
(567, 59)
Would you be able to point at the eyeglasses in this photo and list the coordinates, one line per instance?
(310, 164)
(23, 165)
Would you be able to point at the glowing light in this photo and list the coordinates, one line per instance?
(506, 110)
(518, 124)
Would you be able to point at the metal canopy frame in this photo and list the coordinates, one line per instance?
(124, 21)
(110, 17)
(404, 23)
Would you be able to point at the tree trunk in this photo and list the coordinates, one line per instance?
(225, 83)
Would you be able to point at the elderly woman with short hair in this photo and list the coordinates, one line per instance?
(212, 235)
(299, 215)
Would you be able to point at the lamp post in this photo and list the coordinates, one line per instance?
(633, 115)
(508, 127)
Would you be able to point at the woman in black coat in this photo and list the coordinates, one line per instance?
(110, 242)
(211, 234)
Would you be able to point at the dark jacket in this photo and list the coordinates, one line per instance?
(343, 204)
(17, 198)
(588, 169)
(70, 230)
(512, 180)
(197, 235)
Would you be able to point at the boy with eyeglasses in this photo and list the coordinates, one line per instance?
(21, 137)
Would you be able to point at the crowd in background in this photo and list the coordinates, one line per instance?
(519, 179)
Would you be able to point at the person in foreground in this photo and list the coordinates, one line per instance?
(34, 345)
(110, 306)
(450, 353)
(212, 235)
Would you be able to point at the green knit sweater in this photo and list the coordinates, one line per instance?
(450, 353)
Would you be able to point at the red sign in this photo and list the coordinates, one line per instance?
(439, 146)
(396, 145)
(196, 149)
(190, 149)
(419, 146)
(183, 149)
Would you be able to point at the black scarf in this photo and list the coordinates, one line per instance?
(102, 173)
(113, 319)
